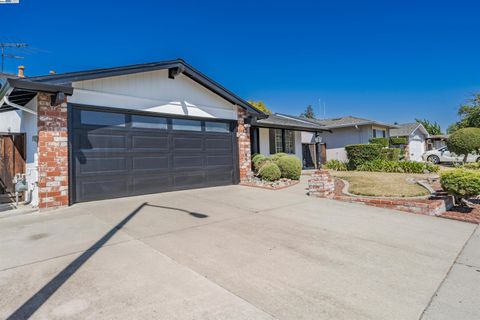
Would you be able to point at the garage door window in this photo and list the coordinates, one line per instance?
(186, 125)
(211, 126)
(149, 122)
(102, 118)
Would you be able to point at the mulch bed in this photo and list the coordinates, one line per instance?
(460, 213)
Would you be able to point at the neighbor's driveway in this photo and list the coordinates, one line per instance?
(224, 253)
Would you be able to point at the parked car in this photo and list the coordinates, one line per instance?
(443, 155)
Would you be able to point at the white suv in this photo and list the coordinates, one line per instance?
(443, 155)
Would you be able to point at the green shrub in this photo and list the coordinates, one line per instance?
(398, 141)
(270, 172)
(258, 160)
(464, 141)
(472, 166)
(290, 167)
(391, 154)
(380, 165)
(360, 153)
(336, 165)
(461, 183)
(381, 141)
(277, 156)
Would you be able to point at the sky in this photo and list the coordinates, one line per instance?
(390, 61)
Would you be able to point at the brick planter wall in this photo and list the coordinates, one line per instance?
(321, 184)
(244, 150)
(52, 153)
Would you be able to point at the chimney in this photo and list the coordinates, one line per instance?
(21, 72)
(52, 72)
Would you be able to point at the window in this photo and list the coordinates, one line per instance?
(186, 125)
(102, 118)
(377, 133)
(149, 122)
(211, 126)
(282, 140)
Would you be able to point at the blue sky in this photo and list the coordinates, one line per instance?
(386, 60)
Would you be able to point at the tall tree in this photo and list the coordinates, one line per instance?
(469, 115)
(433, 128)
(260, 106)
(308, 113)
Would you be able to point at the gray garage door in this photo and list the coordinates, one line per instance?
(121, 154)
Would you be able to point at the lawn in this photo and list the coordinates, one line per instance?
(382, 184)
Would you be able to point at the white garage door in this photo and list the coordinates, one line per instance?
(417, 148)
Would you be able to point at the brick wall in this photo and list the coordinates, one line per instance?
(244, 151)
(52, 153)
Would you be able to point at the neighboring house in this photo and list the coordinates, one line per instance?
(437, 141)
(283, 133)
(131, 130)
(344, 131)
(416, 135)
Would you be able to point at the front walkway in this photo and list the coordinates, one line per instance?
(226, 253)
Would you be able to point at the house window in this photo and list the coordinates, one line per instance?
(282, 140)
(377, 133)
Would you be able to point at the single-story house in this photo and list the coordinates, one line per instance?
(437, 141)
(131, 130)
(417, 136)
(283, 133)
(343, 131)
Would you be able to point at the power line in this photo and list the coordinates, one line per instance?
(12, 45)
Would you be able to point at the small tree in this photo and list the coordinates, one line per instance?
(260, 106)
(433, 128)
(308, 113)
(464, 141)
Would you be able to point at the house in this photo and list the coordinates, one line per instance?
(437, 141)
(131, 130)
(417, 136)
(283, 133)
(343, 131)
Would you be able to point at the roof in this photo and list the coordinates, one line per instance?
(349, 121)
(407, 129)
(63, 81)
(278, 120)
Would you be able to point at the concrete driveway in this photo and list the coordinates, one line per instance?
(225, 253)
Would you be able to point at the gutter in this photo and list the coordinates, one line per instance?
(14, 105)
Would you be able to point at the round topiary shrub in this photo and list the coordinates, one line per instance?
(270, 172)
(290, 167)
(277, 156)
(464, 141)
(258, 160)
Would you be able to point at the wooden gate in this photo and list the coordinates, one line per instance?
(12, 160)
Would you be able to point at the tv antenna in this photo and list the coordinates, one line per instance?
(5, 55)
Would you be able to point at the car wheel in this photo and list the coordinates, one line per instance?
(433, 159)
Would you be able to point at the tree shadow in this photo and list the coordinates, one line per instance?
(27, 309)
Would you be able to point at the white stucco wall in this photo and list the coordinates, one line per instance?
(265, 143)
(10, 121)
(416, 145)
(155, 92)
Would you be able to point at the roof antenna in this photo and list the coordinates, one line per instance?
(4, 46)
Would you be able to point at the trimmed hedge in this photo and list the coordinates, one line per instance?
(358, 154)
(270, 172)
(380, 165)
(391, 154)
(336, 165)
(381, 141)
(398, 141)
(461, 183)
(290, 167)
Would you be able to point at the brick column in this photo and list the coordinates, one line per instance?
(244, 151)
(321, 184)
(52, 153)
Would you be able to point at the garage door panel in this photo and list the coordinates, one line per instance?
(150, 142)
(147, 155)
(188, 162)
(187, 143)
(151, 163)
(103, 165)
(99, 188)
